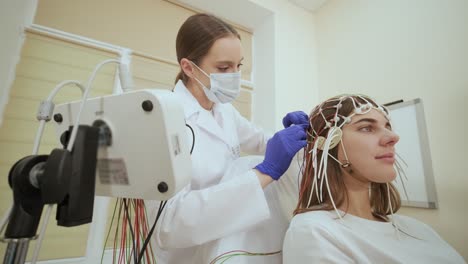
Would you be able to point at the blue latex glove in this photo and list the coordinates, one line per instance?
(296, 118)
(281, 149)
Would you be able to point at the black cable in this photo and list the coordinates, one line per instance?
(147, 240)
(394, 102)
(131, 230)
(193, 137)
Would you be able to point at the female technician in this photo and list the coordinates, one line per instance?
(200, 221)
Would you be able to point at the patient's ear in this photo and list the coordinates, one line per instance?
(347, 167)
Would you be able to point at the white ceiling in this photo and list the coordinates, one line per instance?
(310, 5)
(243, 13)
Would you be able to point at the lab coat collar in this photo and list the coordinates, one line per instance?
(190, 104)
(205, 119)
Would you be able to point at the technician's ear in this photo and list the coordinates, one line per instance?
(187, 67)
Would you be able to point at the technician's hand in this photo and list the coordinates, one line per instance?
(281, 149)
(296, 118)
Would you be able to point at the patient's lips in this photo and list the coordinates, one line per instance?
(387, 157)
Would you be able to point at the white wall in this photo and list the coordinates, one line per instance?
(295, 68)
(403, 49)
(14, 14)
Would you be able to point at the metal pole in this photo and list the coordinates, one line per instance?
(16, 251)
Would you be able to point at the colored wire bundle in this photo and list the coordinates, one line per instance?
(234, 253)
(132, 235)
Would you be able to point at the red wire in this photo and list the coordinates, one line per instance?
(141, 231)
(124, 237)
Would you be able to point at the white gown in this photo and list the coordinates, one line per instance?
(319, 237)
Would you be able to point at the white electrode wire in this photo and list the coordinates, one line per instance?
(85, 91)
(401, 173)
(70, 143)
(83, 101)
(300, 164)
(394, 222)
(314, 164)
(37, 142)
(339, 162)
(61, 85)
(40, 130)
(314, 182)
(399, 162)
(324, 159)
(344, 152)
(325, 174)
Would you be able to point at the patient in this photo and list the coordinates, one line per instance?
(347, 203)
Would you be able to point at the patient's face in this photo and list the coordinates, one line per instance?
(370, 146)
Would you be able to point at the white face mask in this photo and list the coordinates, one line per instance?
(224, 87)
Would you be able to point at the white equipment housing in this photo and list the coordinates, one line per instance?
(148, 148)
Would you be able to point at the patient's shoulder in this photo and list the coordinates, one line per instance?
(314, 219)
(315, 226)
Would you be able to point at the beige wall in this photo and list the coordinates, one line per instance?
(147, 26)
(403, 49)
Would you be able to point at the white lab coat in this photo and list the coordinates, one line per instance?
(266, 236)
(212, 214)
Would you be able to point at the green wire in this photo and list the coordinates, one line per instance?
(230, 256)
(116, 238)
(108, 233)
(247, 254)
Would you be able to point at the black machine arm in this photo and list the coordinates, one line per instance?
(63, 178)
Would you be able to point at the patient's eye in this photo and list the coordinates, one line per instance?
(367, 128)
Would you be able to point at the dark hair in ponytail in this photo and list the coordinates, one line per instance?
(196, 36)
